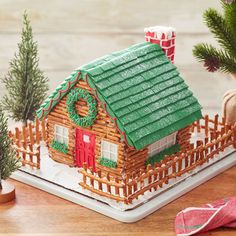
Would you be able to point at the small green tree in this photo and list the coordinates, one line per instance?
(25, 83)
(223, 27)
(8, 160)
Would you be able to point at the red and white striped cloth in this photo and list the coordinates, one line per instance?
(194, 220)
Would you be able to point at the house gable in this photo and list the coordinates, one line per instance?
(103, 128)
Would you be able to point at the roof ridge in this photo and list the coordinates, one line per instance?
(109, 56)
(126, 53)
(138, 75)
(130, 76)
(128, 67)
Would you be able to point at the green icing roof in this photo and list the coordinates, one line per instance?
(142, 89)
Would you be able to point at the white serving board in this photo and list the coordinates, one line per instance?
(132, 215)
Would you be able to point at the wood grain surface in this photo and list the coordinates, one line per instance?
(71, 33)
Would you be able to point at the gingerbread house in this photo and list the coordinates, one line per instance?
(122, 111)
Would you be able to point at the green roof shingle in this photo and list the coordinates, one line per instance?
(143, 90)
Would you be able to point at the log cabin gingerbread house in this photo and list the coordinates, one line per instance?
(123, 110)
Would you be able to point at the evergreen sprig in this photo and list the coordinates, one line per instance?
(223, 27)
(25, 83)
(230, 16)
(8, 160)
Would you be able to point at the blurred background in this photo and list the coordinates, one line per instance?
(74, 32)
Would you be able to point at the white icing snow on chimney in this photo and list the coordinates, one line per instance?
(163, 36)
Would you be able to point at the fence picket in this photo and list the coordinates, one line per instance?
(155, 175)
(135, 186)
(125, 191)
(37, 157)
(186, 160)
(31, 154)
(31, 136)
(216, 123)
(160, 171)
(130, 187)
(17, 141)
(117, 189)
(217, 143)
(24, 141)
(174, 168)
(198, 126)
(44, 136)
(37, 131)
(108, 186)
(99, 173)
(92, 172)
(206, 125)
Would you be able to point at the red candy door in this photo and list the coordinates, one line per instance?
(85, 148)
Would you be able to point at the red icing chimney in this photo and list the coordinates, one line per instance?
(163, 36)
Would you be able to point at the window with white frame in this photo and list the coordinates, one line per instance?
(162, 144)
(61, 134)
(109, 150)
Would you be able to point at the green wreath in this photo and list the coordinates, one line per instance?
(73, 97)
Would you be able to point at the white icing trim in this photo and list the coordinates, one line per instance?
(159, 30)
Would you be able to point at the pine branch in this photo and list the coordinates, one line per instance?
(204, 51)
(219, 27)
(8, 160)
(230, 17)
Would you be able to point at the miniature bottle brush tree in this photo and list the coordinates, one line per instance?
(223, 27)
(8, 160)
(25, 83)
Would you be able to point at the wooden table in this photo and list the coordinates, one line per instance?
(38, 213)
(71, 33)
